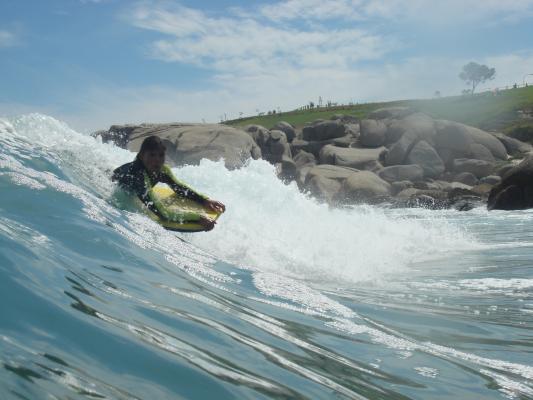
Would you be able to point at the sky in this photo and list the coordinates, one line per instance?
(94, 63)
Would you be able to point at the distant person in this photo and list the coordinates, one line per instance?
(148, 169)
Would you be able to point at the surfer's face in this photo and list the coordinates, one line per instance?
(153, 160)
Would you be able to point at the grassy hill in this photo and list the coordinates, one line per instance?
(499, 112)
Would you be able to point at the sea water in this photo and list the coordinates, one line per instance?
(285, 299)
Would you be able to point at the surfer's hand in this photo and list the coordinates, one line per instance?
(214, 205)
(207, 223)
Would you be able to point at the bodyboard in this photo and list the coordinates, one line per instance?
(175, 205)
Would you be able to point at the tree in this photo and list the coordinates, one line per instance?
(474, 74)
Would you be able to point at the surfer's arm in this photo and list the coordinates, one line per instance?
(181, 188)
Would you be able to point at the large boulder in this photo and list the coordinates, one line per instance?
(351, 157)
(259, 134)
(276, 148)
(515, 191)
(467, 178)
(324, 188)
(479, 168)
(304, 162)
(365, 187)
(424, 155)
(190, 143)
(330, 172)
(273, 144)
(411, 130)
(401, 173)
(312, 147)
(372, 133)
(286, 128)
(513, 146)
(324, 130)
(455, 140)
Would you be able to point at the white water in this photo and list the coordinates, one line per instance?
(268, 226)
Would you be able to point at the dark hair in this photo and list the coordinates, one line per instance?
(151, 143)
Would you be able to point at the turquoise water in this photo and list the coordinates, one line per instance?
(285, 299)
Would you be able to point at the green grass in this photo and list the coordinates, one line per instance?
(485, 110)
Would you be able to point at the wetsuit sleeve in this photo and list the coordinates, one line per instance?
(179, 187)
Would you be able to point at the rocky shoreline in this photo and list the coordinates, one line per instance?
(395, 157)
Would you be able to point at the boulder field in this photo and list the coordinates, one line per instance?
(396, 156)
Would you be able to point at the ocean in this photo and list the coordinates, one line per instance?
(285, 299)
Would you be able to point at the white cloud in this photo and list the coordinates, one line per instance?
(250, 45)
(8, 39)
(448, 12)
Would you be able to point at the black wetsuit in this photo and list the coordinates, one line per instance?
(134, 178)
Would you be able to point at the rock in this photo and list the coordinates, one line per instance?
(504, 169)
(365, 187)
(117, 134)
(190, 143)
(397, 187)
(488, 141)
(372, 133)
(522, 132)
(304, 162)
(286, 128)
(455, 140)
(304, 158)
(423, 201)
(324, 131)
(323, 188)
(395, 130)
(391, 112)
(330, 172)
(353, 130)
(415, 127)
(513, 146)
(259, 134)
(467, 178)
(491, 180)
(482, 190)
(479, 168)
(276, 147)
(288, 171)
(351, 157)
(345, 141)
(480, 152)
(312, 147)
(401, 173)
(515, 191)
(424, 155)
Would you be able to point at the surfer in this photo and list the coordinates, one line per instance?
(149, 168)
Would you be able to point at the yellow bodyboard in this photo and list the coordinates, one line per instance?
(175, 204)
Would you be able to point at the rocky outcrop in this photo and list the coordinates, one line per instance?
(286, 128)
(402, 173)
(190, 143)
(372, 133)
(515, 191)
(324, 131)
(397, 156)
(351, 157)
(424, 155)
(365, 187)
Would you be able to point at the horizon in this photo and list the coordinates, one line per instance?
(94, 63)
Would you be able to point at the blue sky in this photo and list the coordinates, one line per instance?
(94, 63)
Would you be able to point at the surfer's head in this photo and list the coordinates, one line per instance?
(152, 153)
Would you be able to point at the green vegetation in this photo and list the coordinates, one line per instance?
(488, 111)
